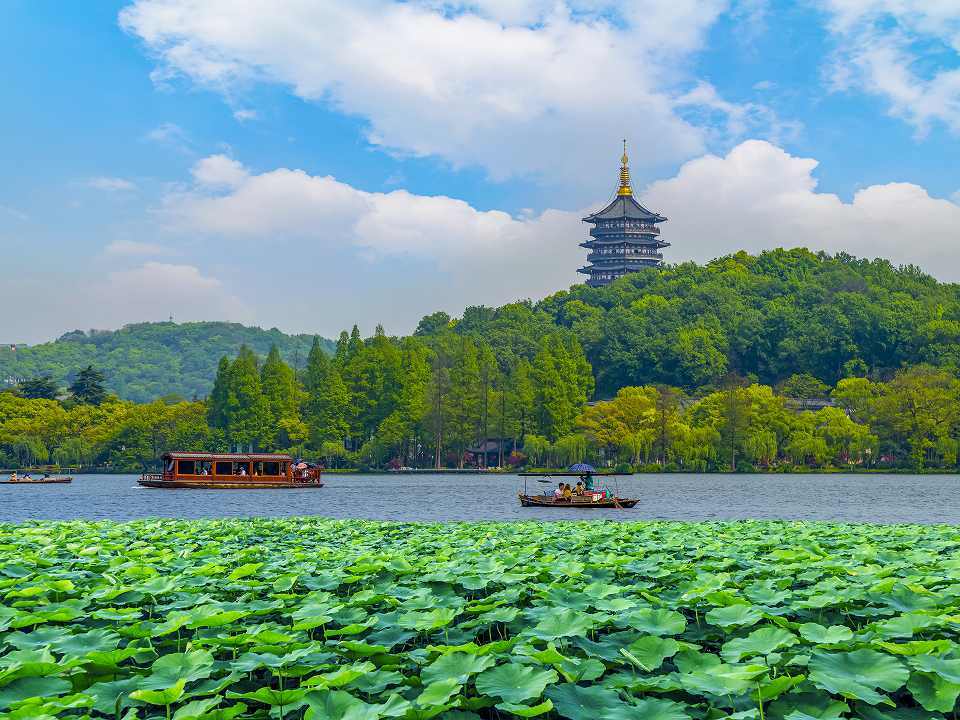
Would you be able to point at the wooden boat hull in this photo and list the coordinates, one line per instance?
(230, 485)
(50, 481)
(542, 501)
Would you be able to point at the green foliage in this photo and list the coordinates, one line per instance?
(88, 386)
(346, 619)
(146, 361)
(39, 388)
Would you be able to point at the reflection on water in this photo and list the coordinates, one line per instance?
(853, 498)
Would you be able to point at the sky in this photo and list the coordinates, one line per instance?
(309, 165)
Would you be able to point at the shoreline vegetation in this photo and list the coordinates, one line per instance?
(788, 361)
(304, 617)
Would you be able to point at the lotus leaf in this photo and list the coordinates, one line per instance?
(649, 652)
(167, 696)
(933, 692)
(526, 710)
(456, 665)
(821, 635)
(761, 641)
(514, 683)
(170, 669)
(438, 692)
(656, 622)
(734, 615)
(857, 674)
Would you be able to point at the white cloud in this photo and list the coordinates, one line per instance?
(149, 292)
(154, 291)
(133, 248)
(353, 256)
(905, 51)
(759, 196)
(244, 115)
(219, 171)
(111, 184)
(534, 87)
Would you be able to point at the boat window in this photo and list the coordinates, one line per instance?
(271, 468)
(224, 468)
(283, 469)
(187, 467)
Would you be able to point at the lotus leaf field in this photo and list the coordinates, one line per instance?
(357, 620)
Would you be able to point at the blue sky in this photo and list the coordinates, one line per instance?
(311, 165)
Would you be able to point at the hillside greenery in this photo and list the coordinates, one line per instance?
(784, 361)
(146, 361)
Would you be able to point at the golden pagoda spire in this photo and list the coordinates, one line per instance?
(625, 188)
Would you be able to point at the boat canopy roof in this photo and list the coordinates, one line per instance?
(236, 457)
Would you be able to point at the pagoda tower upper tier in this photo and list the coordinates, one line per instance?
(624, 237)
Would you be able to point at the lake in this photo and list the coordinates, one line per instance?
(849, 498)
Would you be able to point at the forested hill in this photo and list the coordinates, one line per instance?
(764, 317)
(150, 360)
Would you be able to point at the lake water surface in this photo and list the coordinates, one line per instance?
(851, 498)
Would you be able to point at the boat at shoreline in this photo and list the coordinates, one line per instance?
(594, 496)
(47, 474)
(41, 481)
(232, 471)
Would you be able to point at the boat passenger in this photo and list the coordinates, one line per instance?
(567, 492)
(558, 493)
(14, 477)
(243, 471)
(579, 489)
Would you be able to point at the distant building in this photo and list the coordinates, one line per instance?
(624, 237)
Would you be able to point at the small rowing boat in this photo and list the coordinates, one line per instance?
(594, 494)
(580, 502)
(40, 481)
(45, 475)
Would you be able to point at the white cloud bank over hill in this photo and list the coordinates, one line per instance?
(314, 254)
(418, 254)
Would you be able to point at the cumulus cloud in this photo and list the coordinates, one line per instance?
(531, 87)
(111, 184)
(391, 257)
(151, 291)
(905, 51)
(155, 290)
(758, 196)
(219, 171)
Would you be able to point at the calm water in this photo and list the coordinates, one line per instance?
(854, 498)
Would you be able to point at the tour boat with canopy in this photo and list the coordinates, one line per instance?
(232, 471)
(596, 492)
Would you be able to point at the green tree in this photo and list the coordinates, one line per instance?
(281, 393)
(39, 388)
(248, 414)
(564, 382)
(219, 399)
(88, 386)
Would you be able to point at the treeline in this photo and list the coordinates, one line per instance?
(695, 367)
(432, 401)
(148, 361)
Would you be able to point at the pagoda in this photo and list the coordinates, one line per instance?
(624, 237)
